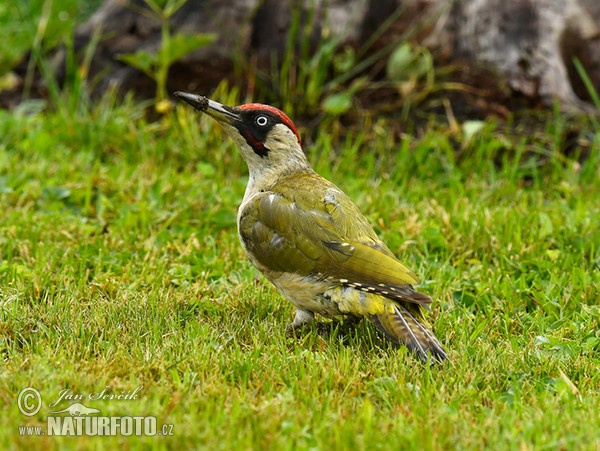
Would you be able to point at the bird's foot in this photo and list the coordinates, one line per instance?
(302, 318)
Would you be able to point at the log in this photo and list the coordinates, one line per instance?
(529, 44)
(252, 30)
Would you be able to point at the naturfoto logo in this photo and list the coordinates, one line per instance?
(80, 419)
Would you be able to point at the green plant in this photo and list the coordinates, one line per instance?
(46, 21)
(326, 78)
(120, 266)
(411, 71)
(591, 89)
(172, 47)
(70, 95)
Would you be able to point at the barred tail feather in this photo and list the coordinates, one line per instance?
(401, 326)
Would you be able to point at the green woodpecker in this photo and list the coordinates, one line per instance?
(309, 239)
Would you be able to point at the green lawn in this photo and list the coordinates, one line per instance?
(121, 275)
(120, 267)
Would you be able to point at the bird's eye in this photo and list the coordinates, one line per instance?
(262, 120)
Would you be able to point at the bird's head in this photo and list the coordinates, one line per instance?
(265, 135)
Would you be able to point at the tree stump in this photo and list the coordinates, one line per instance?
(529, 44)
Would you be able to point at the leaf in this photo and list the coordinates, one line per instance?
(205, 170)
(56, 192)
(569, 348)
(471, 128)
(406, 63)
(344, 62)
(546, 227)
(171, 7)
(181, 45)
(541, 340)
(141, 60)
(553, 254)
(590, 343)
(4, 186)
(337, 104)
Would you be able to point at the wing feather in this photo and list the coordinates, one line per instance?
(328, 238)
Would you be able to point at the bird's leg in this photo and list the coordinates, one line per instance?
(302, 317)
(352, 320)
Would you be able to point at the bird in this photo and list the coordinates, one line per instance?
(310, 240)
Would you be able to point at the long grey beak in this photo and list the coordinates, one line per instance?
(221, 113)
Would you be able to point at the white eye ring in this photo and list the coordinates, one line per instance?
(262, 120)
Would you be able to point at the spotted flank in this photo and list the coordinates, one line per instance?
(403, 293)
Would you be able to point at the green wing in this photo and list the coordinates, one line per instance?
(319, 231)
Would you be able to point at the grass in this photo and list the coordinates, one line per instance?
(120, 267)
(22, 22)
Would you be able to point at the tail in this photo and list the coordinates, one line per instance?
(403, 326)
